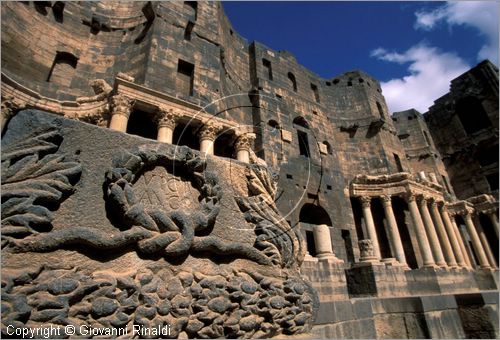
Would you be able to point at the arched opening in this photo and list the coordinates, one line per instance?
(273, 124)
(310, 217)
(315, 91)
(293, 81)
(472, 115)
(314, 214)
(301, 125)
(192, 9)
(142, 124)
(63, 68)
(300, 121)
(185, 134)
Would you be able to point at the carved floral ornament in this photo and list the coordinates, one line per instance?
(209, 131)
(244, 141)
(238, 302)
(121, 104)
(166, 117)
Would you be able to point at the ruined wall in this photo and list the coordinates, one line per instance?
(420, 149)
(464, 126)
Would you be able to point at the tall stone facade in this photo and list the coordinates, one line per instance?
(160, 172)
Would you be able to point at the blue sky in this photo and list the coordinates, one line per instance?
(413, 48)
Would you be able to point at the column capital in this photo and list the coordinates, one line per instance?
(467, 211)
(365, 201)
(366, 250)
(489, 211)
(121, 105)
(209, 131)
(423, 200)
(244, 141)
(410, 196)
(434, 202)
(386, 200)
(166, 117)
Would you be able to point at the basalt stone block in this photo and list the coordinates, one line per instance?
(107, 229)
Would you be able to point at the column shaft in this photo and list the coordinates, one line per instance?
(323, 242)
(118, 122)
(443, 236)
(121, 106)
(207, 146)
(423, 243)
(243, 145)
(486, 244)
(476, 242)
(370, 225)
(494, 221)
(461, 243)
(457, 250)
(431, 234)
(395, 238)
(165, 134)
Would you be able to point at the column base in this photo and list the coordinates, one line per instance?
(430, 266)
(310, 258)
(328, 258)
(389, 261)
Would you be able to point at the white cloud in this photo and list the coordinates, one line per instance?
(430, 74)
(482, 15)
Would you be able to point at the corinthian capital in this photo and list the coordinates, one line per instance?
(386, 200)
(166, 117)
(121, 105)
(209, 131)
(365, 201)
(409, 196)
(244, 141)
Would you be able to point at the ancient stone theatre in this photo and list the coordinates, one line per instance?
(162, 174)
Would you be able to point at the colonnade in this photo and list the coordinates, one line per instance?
(166, 120)
(438, 236)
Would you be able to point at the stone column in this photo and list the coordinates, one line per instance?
(121, 107)
(423, 243)
(461, 242)
(9, 108)
(370, 225)
(431, 233)
(323, 243)
(476, 242)
(493, 218)
(395, 238)
(208, 134)
(243, 145)
(443, 236)
(486, 244)
(454, 242)
(166, 121)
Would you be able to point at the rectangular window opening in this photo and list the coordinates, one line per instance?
(185, 77)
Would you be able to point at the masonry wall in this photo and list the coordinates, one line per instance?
(464, 126)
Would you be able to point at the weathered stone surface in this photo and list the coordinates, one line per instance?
(234, 177)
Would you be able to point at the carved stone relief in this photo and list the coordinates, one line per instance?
(162, 205)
